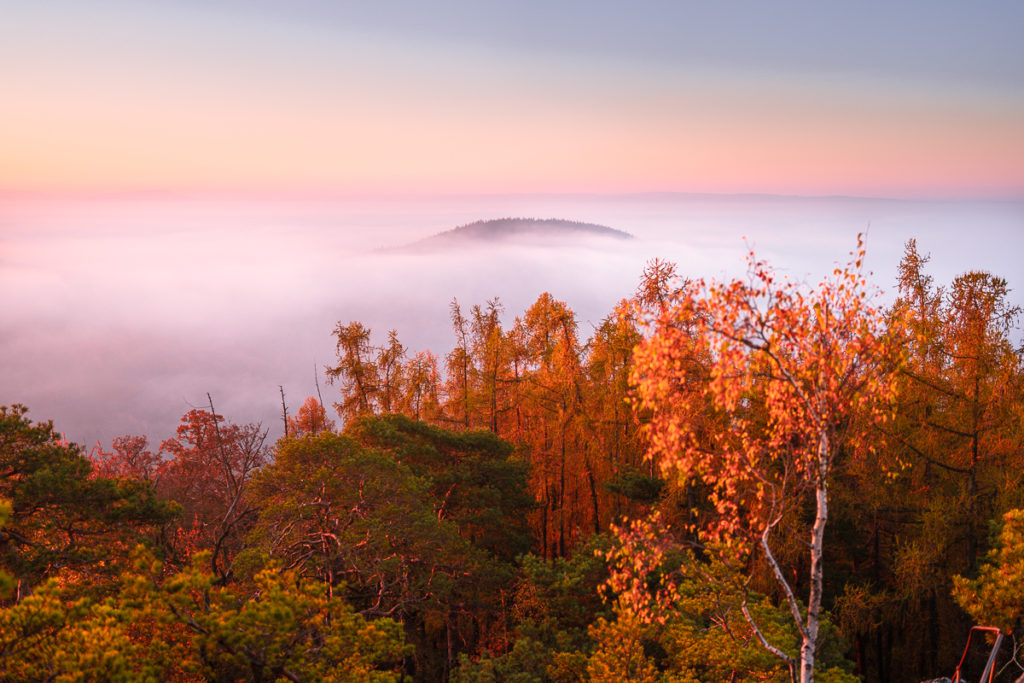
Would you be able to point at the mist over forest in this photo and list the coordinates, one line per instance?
(121, 314)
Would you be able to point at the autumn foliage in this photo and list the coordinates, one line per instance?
(751, 479)
(756, 388)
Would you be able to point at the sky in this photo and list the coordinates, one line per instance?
(917, 99)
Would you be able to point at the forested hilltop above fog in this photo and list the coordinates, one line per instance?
(728, 480)
(507, 229)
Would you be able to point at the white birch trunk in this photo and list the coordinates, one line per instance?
(809, 643)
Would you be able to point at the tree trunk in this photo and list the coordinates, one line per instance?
(561, 496)
(809, 643)
(592, 482)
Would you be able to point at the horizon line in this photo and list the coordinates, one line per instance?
(266, 194)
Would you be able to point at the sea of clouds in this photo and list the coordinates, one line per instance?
(120, 314)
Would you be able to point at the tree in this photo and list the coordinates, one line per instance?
(190, 627)
(54, 635)
(954, 457)
(555, 603)
(459, 364)
(129, 459)
(312, 419)
(391, 373)
(366, 527)
(488, 349)
(473, 477)
(288, 629)
(62, 516)
(681, 613)
(207, 471)
(611, 428)
(996, 596)
(563, 474)
(356, 371)
(476, 483)
(784, 372)
(423, 383)
(958, 410)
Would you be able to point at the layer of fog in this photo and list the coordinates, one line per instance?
(120, 315)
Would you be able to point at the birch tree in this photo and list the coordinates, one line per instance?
(752, 386)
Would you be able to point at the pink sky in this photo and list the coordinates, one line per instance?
(111, 96)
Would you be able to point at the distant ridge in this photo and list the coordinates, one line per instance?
(503, 229)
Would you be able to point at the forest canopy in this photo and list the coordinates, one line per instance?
(752, 479)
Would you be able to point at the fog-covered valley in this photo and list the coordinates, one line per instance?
(120, 314)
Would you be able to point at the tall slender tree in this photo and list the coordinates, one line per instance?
(391, 374)
(553, 399)
(356, 371)
(788, 370)
(422, 398)
(459, 367)
(489, 351)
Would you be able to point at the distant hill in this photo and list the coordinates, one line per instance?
(518, 229)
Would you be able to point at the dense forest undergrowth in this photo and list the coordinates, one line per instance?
(748, 480)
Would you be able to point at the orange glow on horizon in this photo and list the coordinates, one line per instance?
(710, 136)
